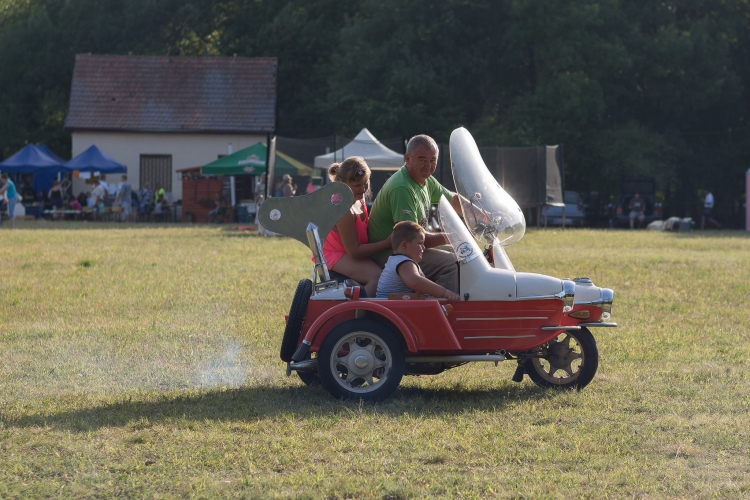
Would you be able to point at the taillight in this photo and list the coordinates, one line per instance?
(580, 207)
(619, 210)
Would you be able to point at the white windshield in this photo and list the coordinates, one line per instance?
(491, 214)
(460, 238)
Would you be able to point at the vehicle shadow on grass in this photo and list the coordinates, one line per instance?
(260, 403)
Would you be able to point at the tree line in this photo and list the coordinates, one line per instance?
(630, 87)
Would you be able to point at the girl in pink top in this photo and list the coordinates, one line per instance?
(346, 249)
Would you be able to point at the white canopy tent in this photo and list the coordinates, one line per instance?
(377, 156)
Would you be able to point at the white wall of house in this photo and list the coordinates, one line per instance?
(186, 150)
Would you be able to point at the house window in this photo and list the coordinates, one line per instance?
(157, 170)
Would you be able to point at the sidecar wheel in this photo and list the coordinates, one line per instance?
(361, 359)
(569, 361)
(296, 317)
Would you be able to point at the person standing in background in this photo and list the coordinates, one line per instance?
(55, 195)
(3, 203)
(159, 193)
(259, 193)
(111, 192)
(287, 189)
(636, 206)
(145, 200)
(125, 198)
(9, 192)
(97, 195)
(277, 193)
(708, 207)
(105, 189)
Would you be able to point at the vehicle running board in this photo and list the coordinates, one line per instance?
(466, 358)
(598, 324)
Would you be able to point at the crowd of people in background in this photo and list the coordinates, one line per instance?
(116, 199)
(144, 203)
(130, 203)
(58, 201)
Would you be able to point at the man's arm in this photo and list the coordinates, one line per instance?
(403, 208)
(409, 274)
(455, 202)
(432, 240)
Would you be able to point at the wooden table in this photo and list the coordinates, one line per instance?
(75, 213)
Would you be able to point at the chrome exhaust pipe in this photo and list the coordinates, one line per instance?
(306, 366)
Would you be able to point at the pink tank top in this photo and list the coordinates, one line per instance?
(333, 247)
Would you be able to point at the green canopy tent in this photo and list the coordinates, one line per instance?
(252, 161)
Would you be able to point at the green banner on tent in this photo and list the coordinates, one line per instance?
(252, 161)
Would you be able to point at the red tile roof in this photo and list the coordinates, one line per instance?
(173, 94)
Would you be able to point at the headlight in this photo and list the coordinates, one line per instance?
(605, 302)
(568, 295)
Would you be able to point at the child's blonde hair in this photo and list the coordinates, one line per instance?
(405, 231)
(352, 169)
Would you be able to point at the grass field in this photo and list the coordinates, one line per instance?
(142, 362)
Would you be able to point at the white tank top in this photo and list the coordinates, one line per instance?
(390, 281)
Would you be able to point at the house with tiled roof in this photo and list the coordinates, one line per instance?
(160, 114)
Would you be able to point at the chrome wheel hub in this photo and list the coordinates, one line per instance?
(562, 360)
(361, 361)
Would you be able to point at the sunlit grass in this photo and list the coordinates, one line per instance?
(142, 361)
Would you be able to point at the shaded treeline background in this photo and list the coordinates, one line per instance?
(629, 87)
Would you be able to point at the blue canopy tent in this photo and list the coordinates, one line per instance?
(50, 153)
(93, 160)
(43, 180)
(33, 159)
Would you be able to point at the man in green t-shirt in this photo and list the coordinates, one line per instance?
(408, 195)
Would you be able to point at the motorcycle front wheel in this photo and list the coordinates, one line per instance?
(568, 361)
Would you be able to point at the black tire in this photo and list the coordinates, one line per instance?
(569, 361)
(309, 378)
(296, 318)
(361, 359)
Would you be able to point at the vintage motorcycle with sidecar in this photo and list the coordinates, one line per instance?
(359, 347)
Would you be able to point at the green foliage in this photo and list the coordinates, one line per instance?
(636, 87)
(302, 34)
(403, 68)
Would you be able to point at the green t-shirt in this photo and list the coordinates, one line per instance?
(402, 199)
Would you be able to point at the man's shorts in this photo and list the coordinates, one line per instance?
(12, 206)
(638, 215)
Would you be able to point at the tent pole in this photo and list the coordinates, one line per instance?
(269, 181)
